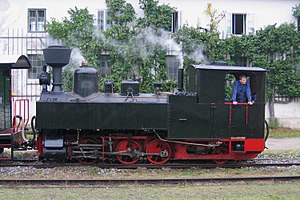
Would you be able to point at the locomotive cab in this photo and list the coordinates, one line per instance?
(207, 111)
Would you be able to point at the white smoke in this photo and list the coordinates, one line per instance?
(52, 41)
(197, 55)
(145, 43)
(76, 59)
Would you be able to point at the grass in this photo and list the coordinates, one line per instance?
(190, 191)
(284, 153)
(284, 133)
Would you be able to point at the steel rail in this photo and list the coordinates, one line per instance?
(150, 166)
(70, 182)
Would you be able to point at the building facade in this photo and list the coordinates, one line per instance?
(22, 30)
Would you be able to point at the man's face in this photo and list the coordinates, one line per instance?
(243, 80)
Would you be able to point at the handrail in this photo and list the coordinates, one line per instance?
(230, 103)
(21, 111)
(22, 103)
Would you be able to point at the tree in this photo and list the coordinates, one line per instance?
(215, 17)
(296, 11)
(278, 50)
(132, 51)
(275, 48)
(77, 31)
(155, 15)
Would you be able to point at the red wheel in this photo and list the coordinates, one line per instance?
(220, 151)
(161, 148)
(131, 147)
(87, 161)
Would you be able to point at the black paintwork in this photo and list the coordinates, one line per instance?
(103, 111)
(202, 114)
(207, 115)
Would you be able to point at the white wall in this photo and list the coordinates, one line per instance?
(15, 16)
(287, 114)
(265, 11)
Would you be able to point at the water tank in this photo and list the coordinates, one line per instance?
(85, 81)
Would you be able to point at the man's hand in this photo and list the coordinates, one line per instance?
(250, 103)
(234, 103)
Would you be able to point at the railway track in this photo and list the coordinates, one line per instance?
(151, 166)
(112, 182)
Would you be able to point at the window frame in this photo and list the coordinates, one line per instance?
(229, 83)
(176, 23)
(38, 59)
(106, 24)
(36, 10)
(233, 25)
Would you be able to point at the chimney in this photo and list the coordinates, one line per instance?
(57, 57)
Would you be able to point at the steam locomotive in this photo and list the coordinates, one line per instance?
(195, 123)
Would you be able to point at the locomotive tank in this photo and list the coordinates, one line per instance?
(86, 108)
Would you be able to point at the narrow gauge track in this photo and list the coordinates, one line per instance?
(88, 182)
(151, 166)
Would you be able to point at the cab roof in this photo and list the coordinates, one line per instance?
(229, 68)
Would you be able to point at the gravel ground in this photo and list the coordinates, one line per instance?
(98, 173)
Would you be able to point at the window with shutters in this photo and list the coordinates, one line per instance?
(239, 24)
(176, 21)
(102, 20)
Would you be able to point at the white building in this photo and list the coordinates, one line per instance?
(22, 32)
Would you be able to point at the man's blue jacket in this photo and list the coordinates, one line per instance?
(241, 93)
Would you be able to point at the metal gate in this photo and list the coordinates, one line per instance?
(19, 83)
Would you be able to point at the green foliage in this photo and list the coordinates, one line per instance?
(296, 11)
(121, 16)
(67, 80)
(193, 40)
(132, 55)
(274, 123)
(229, 85)
(78, 31)
(121, 41)
(278, 51)
(276, 48)
(156, 16)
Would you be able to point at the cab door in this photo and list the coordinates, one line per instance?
(5, 108)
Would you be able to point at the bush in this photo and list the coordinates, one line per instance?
(274, 123)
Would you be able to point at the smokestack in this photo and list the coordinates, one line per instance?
(180, 79)
(57, 57)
